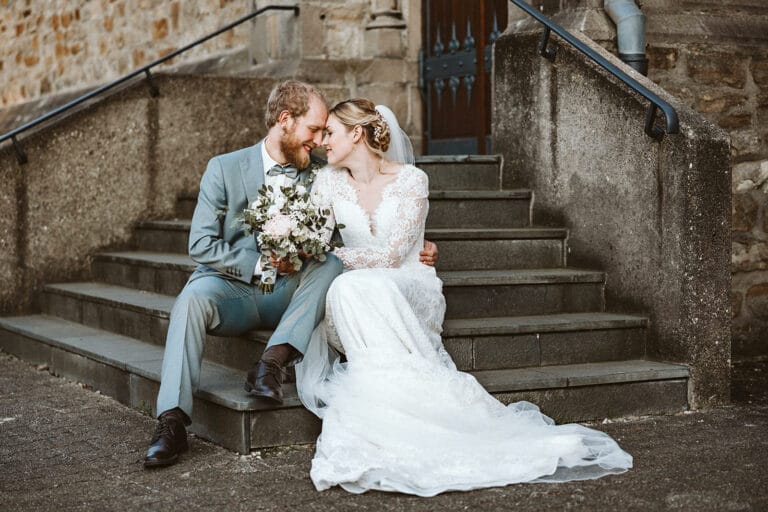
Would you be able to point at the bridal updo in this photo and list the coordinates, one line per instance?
(362, 112)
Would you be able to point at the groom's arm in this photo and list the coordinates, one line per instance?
(207, 244)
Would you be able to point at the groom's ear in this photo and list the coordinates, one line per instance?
(282, 119)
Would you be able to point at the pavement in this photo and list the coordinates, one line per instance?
(65, 447)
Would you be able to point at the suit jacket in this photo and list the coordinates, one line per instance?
(217, 241)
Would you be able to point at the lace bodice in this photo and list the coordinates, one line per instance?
(393, 235)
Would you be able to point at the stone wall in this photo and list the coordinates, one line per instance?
(652, 215)
(713, 56)
(92, 176)
(721, 70)
(50, 51)
(51, 46)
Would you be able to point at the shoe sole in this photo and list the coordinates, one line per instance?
(150, 464)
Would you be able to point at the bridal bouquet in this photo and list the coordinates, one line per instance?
(290, 226)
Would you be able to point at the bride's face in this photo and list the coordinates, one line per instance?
(339, 141)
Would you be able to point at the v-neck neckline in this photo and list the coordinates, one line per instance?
(371, 216)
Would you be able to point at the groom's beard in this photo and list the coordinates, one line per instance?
(293, 150)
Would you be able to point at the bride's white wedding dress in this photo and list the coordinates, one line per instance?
(398, 415)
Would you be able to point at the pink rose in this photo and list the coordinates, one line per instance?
(278, 226)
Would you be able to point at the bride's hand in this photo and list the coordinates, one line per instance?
(428, 255)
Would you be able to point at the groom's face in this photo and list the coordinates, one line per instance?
(302, 134)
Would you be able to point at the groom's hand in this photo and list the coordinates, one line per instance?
(428, 255)
(283, 267)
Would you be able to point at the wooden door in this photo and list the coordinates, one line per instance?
(455, 73)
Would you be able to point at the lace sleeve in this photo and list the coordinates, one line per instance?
(408, 229)
(322, 196)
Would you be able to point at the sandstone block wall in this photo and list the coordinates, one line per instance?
(729, 85)
(51, 49)
(48, 46)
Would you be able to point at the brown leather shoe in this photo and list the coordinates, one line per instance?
(169, 441)
(265, 380)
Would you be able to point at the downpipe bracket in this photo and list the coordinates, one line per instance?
(544, 51)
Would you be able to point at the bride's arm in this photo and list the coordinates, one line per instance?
(322, 193)
(408, 230)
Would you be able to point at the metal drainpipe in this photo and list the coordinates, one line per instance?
(630, 28)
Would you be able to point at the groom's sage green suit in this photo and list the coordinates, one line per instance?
(221, 296)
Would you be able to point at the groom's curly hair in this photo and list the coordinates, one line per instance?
(292, 96)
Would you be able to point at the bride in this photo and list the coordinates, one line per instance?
(398, 415)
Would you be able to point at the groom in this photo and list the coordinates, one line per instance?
(222, 296)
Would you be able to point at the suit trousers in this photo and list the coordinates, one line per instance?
(225, 307)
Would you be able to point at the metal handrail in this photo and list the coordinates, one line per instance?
(670, 114)
(22, 157)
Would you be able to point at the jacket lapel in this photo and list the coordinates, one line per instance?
(252, 172)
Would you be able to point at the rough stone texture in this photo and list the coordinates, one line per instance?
(713, 56)
(63, 447)
(750, 326)
(656, 216)
(93, 175)
(51, 47)
(116, 37)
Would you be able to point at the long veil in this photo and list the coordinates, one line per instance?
(400, 147)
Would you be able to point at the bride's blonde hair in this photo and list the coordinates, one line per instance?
(362, 112)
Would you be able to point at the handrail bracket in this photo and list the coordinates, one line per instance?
(650, 117)
(547, 53)
(153, 90)
(21, 156)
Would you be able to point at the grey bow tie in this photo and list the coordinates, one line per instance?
(288, 170)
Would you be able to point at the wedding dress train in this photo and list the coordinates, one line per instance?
(398, 415)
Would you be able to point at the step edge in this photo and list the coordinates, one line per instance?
(492, 234)
(544, 377)
(136, 368)
(459, 159)
(132, 306)
(550, 377)
(544, 327)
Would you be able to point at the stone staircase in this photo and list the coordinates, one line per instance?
(522, 322)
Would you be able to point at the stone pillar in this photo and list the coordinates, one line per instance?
(384, 34)
(275, 35)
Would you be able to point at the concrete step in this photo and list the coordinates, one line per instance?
(128, 370)
(462, 172)
(468, 293)
(185, 205)
(457, 208)
(544, 340)
(479, 209)
(460, 249)
(169, 236)
(492, 248)
(475, 343)
(492, 293)
(499, 249)
(446, 172)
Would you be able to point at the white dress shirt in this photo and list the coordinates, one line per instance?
(281, 180)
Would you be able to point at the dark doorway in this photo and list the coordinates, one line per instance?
(455, 73)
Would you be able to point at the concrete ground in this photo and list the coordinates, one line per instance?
(63, 447)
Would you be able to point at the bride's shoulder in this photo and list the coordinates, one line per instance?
(412, 181)
(414, 175)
